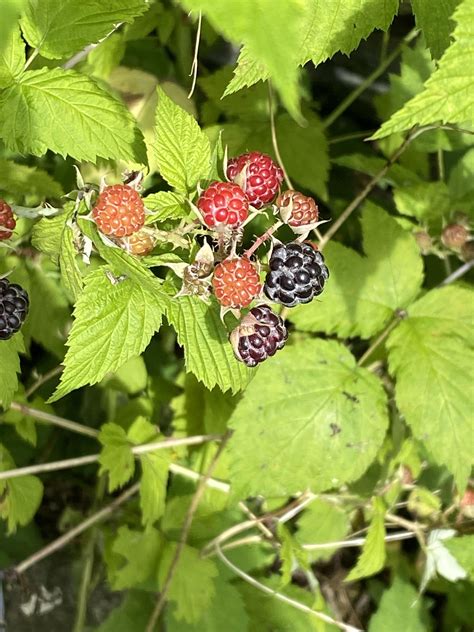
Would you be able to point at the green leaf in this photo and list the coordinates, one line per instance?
(207, 351)
(140, 553)
(433, 18)
(447, 96)
(182, 150)
(338, 422)
(425, 353)
(131, 377)
(19, 497)
(362, 293)
(401, 597)
(12, 57)
(371, 165)
(131, 615)
(116, 457)
(27, 182)
(112, 323)
(372, 558)
(105, 57)
(463, 550)
(153, 485)
(291, 554)
(322, 522)
(165, 205)
(439, 559)
(69, 114)
(192, 571)
(429, 202)
(59, 29)
(9, 367)
(272, 37)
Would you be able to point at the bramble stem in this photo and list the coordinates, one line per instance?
(258, 242)
(43, 379)
(457, 274)
(276, 148)
(41, 415)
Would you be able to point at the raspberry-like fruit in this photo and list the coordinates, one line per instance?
(259, 176)
(140, 243)
(236, 282)
(223, 204)
(14, 305)
(297, 274)
(119, 211)
(259, 335)
(297, 209)
(454, 236)
(7, 221)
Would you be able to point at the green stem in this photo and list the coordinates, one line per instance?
(378, 341)
(381, 68)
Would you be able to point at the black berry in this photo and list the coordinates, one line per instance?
(14, 305)
(258, 336)
(297, 274)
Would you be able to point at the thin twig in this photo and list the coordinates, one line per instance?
(213, 483)
(92, 458)
(276, 148)
(31, 58)
(260, 240)
(184, 534)
(281, 597)
(457, 274)
(43, 379)
(381, 68)
(82, 54)
(194, 65)
(260, 526)
(378, 341)
(41, 415)
(62, 541)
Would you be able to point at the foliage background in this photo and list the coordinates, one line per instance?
(359, 433)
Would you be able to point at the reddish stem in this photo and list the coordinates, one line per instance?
(258, 242)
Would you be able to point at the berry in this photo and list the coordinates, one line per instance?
(259, 335)
(119, 211)
(7, 221)
(236, 282)
(223, 204)
(467, 251)
(14, 305)
(259, 176)
(140, 243)
(296, 209)
(454, 236)
(424, 241)
(297, 274)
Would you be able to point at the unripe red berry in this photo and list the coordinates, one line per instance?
(119, 211)
(258, 175)
(223, 204)
(7, 221)
(236, 282)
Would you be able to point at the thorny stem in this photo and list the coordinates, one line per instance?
(276, 149)
(281, 597)
(383, 65)
(260, 240)
(43, 379)
(41, 415)
(194, 65)
(185, 533)
(62, 541)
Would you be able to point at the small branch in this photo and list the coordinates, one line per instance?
(78, 57)
(381, 68)
(62, 541)
(213, 483)
(260, 240)
(184, 534)
(43, 379)
(31, 59)
(276, 148)
(281, 597)
(194, 65)
(457, 274)
(67, 424)
(356, 542)
(367, 189)
(378, 341)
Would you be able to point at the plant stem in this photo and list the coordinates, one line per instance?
(276, 149)
(184, 534)
(378, 341)
(195, 64)
(383, 65)
(440, 161)
(31, 59)
(43, 379)
(41, 415)
(62, 541)
(457, 274)
(258, 242)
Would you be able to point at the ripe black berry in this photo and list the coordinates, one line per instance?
(14, 305)
(297, 274)
(259, 335)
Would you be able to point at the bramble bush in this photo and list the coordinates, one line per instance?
(236, 345)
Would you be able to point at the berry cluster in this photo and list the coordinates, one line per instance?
(14, 305)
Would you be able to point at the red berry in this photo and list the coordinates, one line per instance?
(297, 209)
(223, 204)
(119, 211)
(236, 282)
(259, 176)
(7, 221)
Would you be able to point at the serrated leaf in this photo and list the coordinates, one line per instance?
(29, 183)
(59, 29)
(12, 57)
(9, 367)
(433, 18)
(105, 57)
(462, 549)
(309, 418)
(425, 353)
(362, 293)
(429, 202)
(182, 150)
(372, 558)
(207, 351)
(322, 522)
(400, 597)
(439, 560)
(192, 571)
(19, 497)
(140, 551)
(131, 615)
(112, 323)
(272, 37)
(371, 165)
(447, 96)
(165, 205)
(69, 114)
(116, 458)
